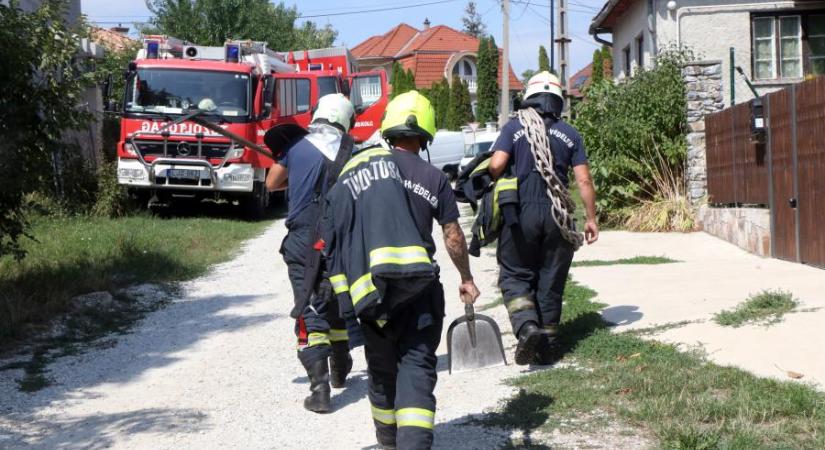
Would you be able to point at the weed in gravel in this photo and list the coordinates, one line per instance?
(634, 260)
(766, 307)
(678, 397)
(497, 302)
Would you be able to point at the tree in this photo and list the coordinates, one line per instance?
(473, 24)
(597, 72)
(461, 109)
(212, 22)
(402, 80)
(439, 96)
(527, 74)
(544, 61)
(42, 82)
(488, 91)
(607, 62)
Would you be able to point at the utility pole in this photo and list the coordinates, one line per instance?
(552, 34)
(563, 40)
(504, 111)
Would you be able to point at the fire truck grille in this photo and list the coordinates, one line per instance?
(182, 149)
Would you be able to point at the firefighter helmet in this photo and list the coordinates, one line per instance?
(336, 110)
(409, 115)
(543, 82)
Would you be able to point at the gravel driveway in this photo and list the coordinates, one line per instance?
(217, 369)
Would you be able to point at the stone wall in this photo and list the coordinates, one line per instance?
(748, 228)
(703, 82)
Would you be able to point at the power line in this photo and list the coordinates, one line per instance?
(393, 8)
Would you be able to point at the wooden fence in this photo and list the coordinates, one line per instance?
(786, 172)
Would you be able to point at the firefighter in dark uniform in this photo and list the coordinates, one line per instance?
(534, 259)
(400, 354)
(322, 335)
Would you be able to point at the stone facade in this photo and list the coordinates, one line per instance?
(748, 228)
(703, 82)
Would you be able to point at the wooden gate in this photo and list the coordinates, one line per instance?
(796, 123)
(810, 173)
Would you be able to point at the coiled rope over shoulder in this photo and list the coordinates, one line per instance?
(563, 205)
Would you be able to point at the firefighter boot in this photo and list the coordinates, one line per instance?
(548, 351)
(340, 363)
(318, 400)
(529, 338)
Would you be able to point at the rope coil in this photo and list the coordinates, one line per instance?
(563, 205)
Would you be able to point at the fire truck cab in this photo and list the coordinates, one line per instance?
(245, 89)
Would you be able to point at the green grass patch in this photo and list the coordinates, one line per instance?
(766, 307)
(679, 398)
(77, 255)
(634, 260)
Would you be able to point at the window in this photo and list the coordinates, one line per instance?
(788, 46)
(293, 96)
(626, 57)
(366, 90)
(640, 50)
(327, 85)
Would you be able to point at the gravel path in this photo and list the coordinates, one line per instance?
(217, 369)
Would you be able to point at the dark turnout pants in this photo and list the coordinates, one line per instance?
(319, 324)
(401, 363)
(534, 260)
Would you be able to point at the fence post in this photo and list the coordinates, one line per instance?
(769, 157)
(795, 173)
(732, 64)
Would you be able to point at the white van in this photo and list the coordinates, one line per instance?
(445, 152)
(476, 141)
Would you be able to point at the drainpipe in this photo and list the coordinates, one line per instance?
(651, 26)
(601, 40)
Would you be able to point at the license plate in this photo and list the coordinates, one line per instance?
(188, 174)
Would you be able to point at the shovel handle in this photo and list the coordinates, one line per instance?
(469, 311)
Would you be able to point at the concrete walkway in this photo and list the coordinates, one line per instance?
(711, 276)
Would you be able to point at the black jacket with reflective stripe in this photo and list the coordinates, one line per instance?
(376, 254)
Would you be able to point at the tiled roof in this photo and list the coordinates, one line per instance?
(386, 45)
(425, 52)
(579, 81)
(109, 39)
(440, 38)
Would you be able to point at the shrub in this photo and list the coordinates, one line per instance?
(634, 133)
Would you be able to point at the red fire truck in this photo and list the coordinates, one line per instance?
(192, 115)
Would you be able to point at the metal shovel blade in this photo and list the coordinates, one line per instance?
(474, 342)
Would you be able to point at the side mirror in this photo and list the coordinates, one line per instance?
(359, 109)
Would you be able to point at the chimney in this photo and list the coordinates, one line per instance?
(427, 23)
(120, 29)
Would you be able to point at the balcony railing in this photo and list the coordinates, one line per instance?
(471, 82)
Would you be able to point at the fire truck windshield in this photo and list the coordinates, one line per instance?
(171, 91)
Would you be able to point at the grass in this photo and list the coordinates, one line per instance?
(634, 260)
(679, 398)
(78, 255)
(766, 307)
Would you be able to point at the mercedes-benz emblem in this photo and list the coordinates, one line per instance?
(183, 149)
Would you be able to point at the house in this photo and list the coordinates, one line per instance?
(774, 42)
(431, 53)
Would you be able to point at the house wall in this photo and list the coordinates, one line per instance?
(707, 27)
(72, 14)
(629, 26)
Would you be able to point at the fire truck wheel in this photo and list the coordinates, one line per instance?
(256, 205)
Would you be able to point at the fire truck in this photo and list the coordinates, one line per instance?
(194, 117)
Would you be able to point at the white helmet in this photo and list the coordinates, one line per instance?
(335, 109)
(543, 82)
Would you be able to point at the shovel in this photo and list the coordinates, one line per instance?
(474, 342)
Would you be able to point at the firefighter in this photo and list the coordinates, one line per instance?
(322, 334)
(534, 258)
(400, 353)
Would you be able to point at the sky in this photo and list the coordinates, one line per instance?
(529, 21)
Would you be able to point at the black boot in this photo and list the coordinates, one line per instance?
(529, 337)
(548, 351)
(318, 400)
(340, 364)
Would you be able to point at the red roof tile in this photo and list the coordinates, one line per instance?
(579, 81)
(111, 40)
(386, 45)
(425, 52)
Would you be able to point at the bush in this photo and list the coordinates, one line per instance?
(635, 136)
(112, 198)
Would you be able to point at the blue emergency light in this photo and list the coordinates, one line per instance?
(233, 53)
(152, 49)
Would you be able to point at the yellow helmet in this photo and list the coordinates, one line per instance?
(409, 115)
